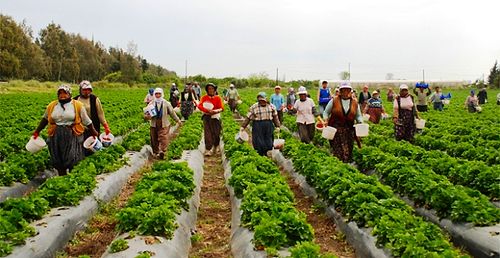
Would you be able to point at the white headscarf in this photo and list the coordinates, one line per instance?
(160, 99)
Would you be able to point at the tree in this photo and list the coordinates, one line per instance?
(389, 76)
(494, 75)
(144, 65)
(344, 75)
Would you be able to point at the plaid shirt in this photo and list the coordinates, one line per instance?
(260, 113)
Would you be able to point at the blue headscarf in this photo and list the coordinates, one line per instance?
(472, 92)
(151, 91)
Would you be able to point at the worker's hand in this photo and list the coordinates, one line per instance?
(35, 134)
(277, 129)
(395, 120)
(106, 129)
(242, 129)
(147, 117)
(93, 132)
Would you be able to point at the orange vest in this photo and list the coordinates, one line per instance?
(77, 125)
(338, 118)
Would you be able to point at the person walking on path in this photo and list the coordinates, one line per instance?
(341, 113)
(232, 97)
(306, 111)
(482, 96)
(404, 115)
(67, 119)
(160, 124)
(437, 99)
(422, 98)
(93, 106)
(263, 115)
(174, 95)
(374, 108)
(364, 96)
(211, 105)
(471, 102)
(150, 96)
(290, 100)
(188, 99)
(324, 96)
(279, 102)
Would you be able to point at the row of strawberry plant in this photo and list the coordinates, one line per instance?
(158, 197)
(364, 200)
(69, 190)
(189, 137)
(267, 201)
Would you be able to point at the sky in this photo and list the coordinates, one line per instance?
(315, 39)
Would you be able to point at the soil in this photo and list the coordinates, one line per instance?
(325, 234)
(100, 231)
(214, 215)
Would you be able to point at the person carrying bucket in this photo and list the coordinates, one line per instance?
(67, 119)
(374, 108)
(405, 112)
(160, 124)
(232, 97)
(93, 106)
(341, 113)
(211, 105)
(324, 96)
(306, 112)
(263, 115)
(278, 101)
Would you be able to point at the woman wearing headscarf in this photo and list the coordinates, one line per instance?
(341, 113)
(405, 112)
(160, 124)
(263, 114)
(232, 97)
(174, 95)
(290, 100)
(364, 96)
(374, 108)
(67, 119)
(437, 99)
(306, 110)
(211, 105)
(390, 95)
(188, 98)
(94, 109)
(150, 96)
(471, 103)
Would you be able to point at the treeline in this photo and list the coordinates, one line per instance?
(494, 77)
(55, 55)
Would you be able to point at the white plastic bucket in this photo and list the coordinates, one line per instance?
(420, 123)
(241, 137)
(35, 145)
(208, 105)
(446, 101)
(150, 110)
(366, 117)
(361, 130)
(329, 132)
(106, 139)
(479, 109)
(239, 102)
(92, 144)
(278, 143)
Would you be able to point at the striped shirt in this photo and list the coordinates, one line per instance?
(259, 113)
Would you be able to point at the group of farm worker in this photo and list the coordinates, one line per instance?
(70, 121)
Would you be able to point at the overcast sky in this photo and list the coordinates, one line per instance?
(451, 40)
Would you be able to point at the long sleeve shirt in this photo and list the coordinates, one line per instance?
(216, 100)
(305, 111)
(422, 96)
(166, 110)
(345, 108)
(100, 111)
(278, 101)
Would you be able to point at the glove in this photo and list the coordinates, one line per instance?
(277, 129)
(106, 129)
(35, 134)
(242, 129)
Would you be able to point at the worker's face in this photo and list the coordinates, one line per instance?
(365, 89)
(302, 97)
(403, 92)
(158, 95)
(324, 85)
(211, 91)
(345, 93)
(375, 95)
(438, 89)
(262, 102)
(86, 92)
(62, 95)
(277, 91)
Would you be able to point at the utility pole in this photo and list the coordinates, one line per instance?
(276, 76)
(423, 75)
(349, 70)
(186, 74)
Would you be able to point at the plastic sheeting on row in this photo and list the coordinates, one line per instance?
(57, 227)
(241, 238)
(180, 244)
(360, 238)
(18, 189)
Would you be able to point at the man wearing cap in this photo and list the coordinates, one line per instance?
(306, 111)
(341, 113)
(67, 119)
(94, 108)
(364, 96)
(404, 115)
(263, 116)
(278, 101)
(232, 97)
(324, 96)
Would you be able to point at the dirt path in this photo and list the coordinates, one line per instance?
(100, 231)
(214, 215)
(325, 234)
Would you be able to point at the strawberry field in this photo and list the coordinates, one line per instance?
(436, 197)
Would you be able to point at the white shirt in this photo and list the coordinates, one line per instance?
(66, 116)
(304, 111)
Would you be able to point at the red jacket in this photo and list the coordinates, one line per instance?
(215, 100)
